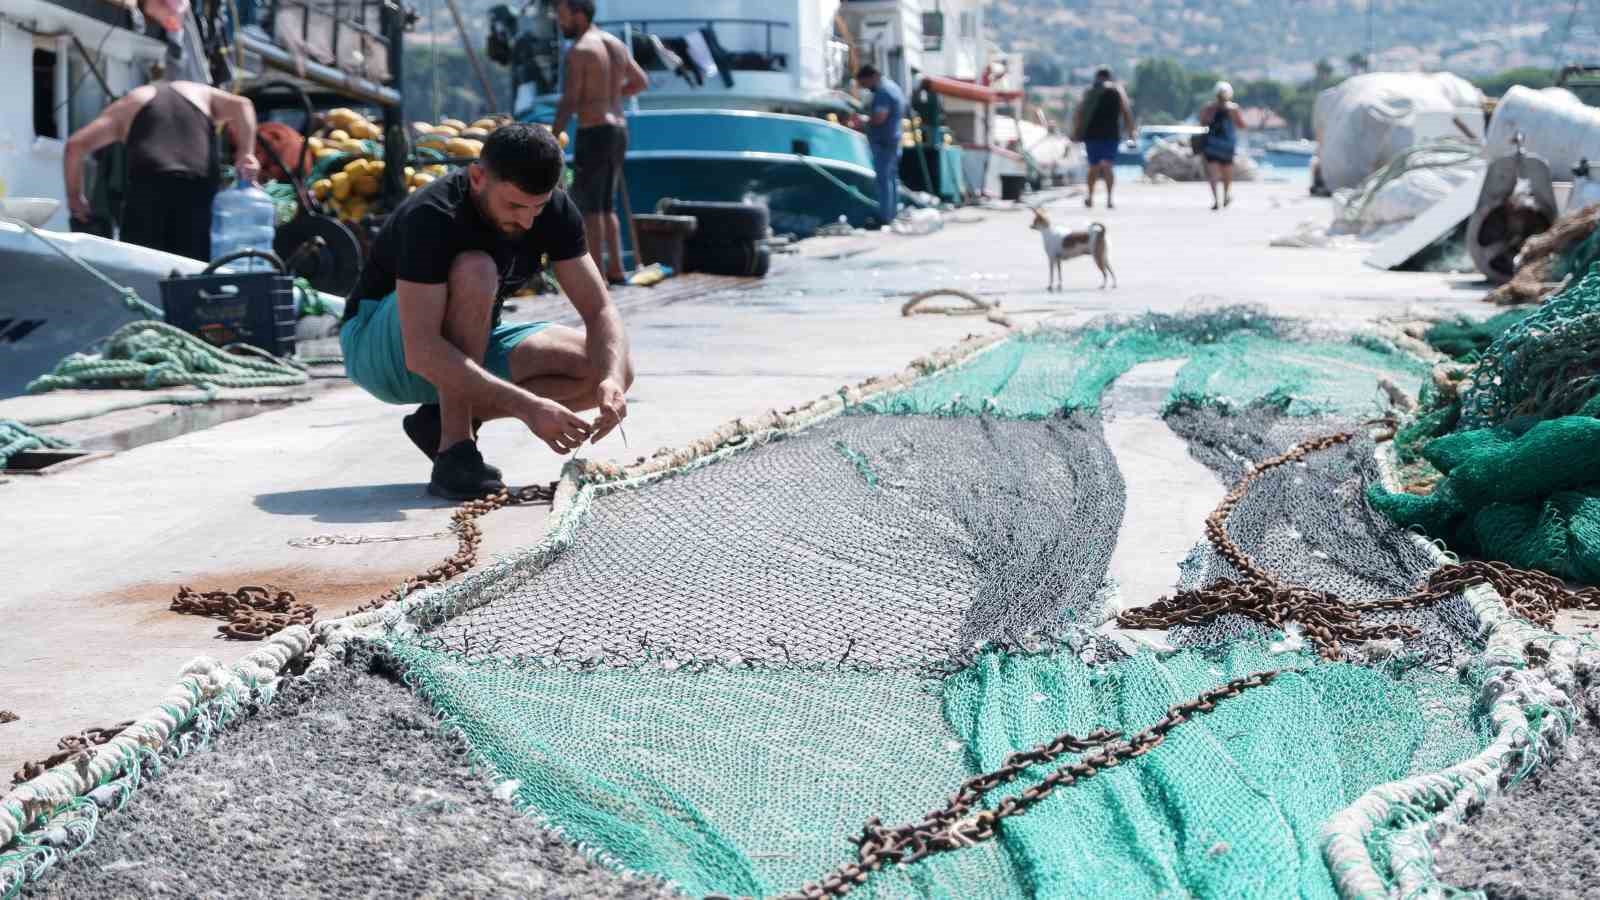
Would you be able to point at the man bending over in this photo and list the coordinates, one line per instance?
(423, 323)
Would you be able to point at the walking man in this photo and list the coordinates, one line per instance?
(600, 73)
(423, 323)
(1099, 122)
(171, 161)
(883, 135)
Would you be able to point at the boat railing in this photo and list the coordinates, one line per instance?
(740, 45)
(347, 35)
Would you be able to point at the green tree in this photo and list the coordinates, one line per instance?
(1044, 71)
(1357, 62)
(1160, 86)
(1274, 95)
(1324, 72)
(1535, 77)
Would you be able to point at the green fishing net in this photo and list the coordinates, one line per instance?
(751, 781)
(1236, 357)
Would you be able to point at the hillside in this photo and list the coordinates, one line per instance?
(1283, 39)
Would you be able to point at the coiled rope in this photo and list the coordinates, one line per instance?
(150, 354)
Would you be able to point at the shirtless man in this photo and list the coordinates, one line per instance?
(172, 172)
(600, 72)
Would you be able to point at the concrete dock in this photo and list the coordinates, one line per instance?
(215, 501)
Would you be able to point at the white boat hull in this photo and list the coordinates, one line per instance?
(50, 307)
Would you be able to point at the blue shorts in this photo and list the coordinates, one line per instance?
(1101, 151)
(375, 352)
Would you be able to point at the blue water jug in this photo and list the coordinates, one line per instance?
(243, 217)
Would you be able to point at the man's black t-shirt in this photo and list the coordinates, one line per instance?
(441, 221)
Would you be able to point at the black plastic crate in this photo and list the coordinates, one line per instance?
(255, 308)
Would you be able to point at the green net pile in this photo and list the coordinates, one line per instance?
(1529, 498)
(702, 676)
(1518, 452)
(1465, 339)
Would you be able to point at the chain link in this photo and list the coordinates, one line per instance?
(73, 746)
(253, 613)
(7, 716)
(957, 825)
(1324, 618)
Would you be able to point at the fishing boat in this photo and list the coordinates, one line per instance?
(1289, 153)
(52, 307)
(744, 103)
(73, 57)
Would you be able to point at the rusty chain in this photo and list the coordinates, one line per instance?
(68, 748)
(1323, 617)
(250, 613)
(957, 825)
(253, 613)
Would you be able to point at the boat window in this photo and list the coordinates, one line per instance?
(45, 102)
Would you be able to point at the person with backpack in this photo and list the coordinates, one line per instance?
(1223, 120)
(1099, 123)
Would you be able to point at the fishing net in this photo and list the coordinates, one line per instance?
(1511, 475)
(887, 540)
(1465, 339)
(1236, 356)
(1515, 497)
(1543, 366)
(750, 781)
(713, 675)
(1310, 524)
(1303, 377)
(342, 789)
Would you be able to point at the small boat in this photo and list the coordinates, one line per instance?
(1290, 153)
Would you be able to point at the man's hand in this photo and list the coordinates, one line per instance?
(248, 167)
(81, 210)
(613, 409)
(554, 424)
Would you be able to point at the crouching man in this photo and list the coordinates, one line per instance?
(423, 323)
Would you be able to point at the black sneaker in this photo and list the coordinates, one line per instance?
(460, 473)
(423, 427)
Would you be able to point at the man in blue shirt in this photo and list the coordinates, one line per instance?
(883, 135)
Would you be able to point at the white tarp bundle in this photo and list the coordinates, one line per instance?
(1554, 123)
(1366, 121)
(1400, 198)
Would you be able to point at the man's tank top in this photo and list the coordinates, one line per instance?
(1104, 116)
(170, 136)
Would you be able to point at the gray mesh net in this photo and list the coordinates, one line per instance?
(882, 540)
(346, 789)
(1310, 524)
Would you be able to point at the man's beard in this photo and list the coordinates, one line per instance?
(509, 232)
(572, 31)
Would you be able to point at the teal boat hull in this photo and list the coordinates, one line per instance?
(807, 171)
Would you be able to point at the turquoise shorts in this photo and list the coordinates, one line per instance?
(375, 354)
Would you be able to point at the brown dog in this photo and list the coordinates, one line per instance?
(1062, 245)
